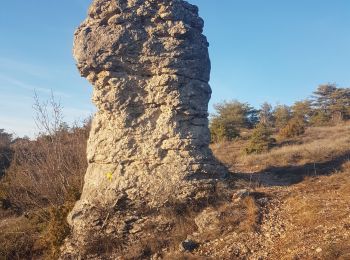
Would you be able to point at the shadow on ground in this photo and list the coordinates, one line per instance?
(289, 175)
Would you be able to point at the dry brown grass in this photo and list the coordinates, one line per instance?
(293, 155)
(251, 218)
(18, 236)
(317, 214)
(184, 256)
(317, 145)
(229, 152)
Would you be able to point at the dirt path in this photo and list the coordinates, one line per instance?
(306, 220)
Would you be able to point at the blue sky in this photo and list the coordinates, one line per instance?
(272, 50)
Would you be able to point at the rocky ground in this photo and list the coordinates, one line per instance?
(290, 203)
(309, 220)
(302, 210)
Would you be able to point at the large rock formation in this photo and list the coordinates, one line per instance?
(149, 144)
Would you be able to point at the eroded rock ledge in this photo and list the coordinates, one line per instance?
(149, 144)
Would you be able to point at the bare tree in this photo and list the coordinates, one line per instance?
(47, 170)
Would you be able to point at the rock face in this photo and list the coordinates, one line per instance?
(149, 144)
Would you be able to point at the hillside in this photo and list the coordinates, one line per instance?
(302, 192)
(289, 203)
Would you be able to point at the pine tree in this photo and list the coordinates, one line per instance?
(295, 127)
(221, 131)
(260, 140)
(320, 118)
(281, 114)
(340, 105)
(332, 102)
(302, 110)
(229, 118)
(266, 114)
(323, 96)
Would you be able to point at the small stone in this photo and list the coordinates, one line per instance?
(188, 246)
(239, 195)
(263, 201)
(207, 220)
(319, 250)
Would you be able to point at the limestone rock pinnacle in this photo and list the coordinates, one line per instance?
(149, 65)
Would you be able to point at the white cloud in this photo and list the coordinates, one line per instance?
(26, 86)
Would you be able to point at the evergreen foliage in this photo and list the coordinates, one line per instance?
(295, 127)
(229, 118)
(281, 114)
(260, 140)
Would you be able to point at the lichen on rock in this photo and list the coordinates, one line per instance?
(149, 144)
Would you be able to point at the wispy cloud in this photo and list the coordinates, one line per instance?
(26, 86)
(25, 67)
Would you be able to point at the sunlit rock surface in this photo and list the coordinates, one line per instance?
(149, 145)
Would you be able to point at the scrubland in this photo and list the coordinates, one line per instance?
(292, 202)
(306, 180)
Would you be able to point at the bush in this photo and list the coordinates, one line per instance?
(320, 118)
(45, 171)
(18, 237)
(281, 115)
(36, 234)
(44, 180)
(261, 140)
(56, 230)
(295, 127)
(222, 132)
(5, 151)
(229, 118)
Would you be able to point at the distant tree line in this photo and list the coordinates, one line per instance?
(328, 105)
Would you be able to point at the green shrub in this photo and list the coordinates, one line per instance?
(260, 140)
(320, 118)
(282, 115)
(57, 229)
(37, 235)
(222, 132)
(295, 127)
(229, 118)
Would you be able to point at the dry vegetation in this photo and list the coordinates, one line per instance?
(39, 189)
(306, 180)
(42, 181)
(316, 218)
(296, 206)
(316, 145)
(47, 170)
